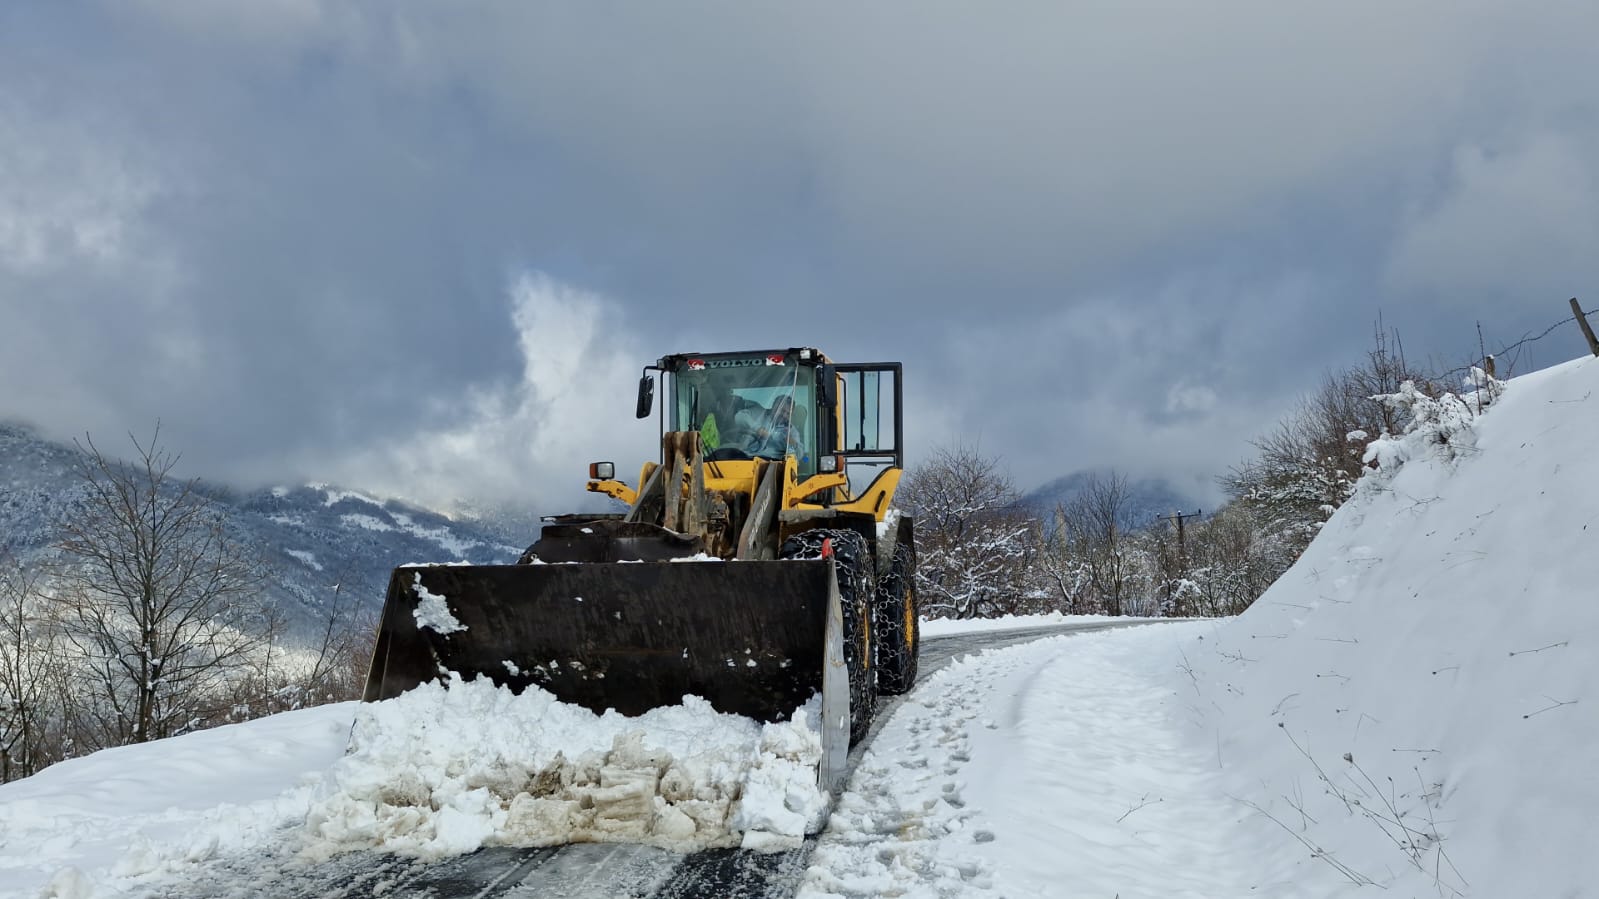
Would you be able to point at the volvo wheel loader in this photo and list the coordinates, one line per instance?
(759, 561)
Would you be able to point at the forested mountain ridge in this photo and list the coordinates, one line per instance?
(311, 538)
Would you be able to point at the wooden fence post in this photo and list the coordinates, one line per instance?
(1582, 321)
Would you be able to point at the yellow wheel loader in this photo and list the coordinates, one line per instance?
(759, 561)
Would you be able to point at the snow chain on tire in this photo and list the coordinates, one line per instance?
(894, 624)
(853, 561)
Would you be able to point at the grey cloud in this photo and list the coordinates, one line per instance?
(1512, 224)
(303, 226)
(1092, 383)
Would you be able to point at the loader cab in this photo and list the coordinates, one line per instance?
(730, 397)
(849, 416)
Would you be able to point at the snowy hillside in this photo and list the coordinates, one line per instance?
(36, 484)
(310, 537)
(317, 535)
(1412, 700)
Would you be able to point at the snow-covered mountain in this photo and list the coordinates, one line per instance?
(310, 537)
(1146, 499)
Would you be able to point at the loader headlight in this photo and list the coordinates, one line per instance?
(827, 464)
(602, 471)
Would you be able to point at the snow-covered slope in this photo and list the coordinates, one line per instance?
(317, 535)
(1414, 700)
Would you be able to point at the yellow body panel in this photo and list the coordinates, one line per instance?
(744, 476)
(614, 489)
(877, 498)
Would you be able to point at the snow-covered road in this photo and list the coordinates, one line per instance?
(1057, 767)
(931, 742)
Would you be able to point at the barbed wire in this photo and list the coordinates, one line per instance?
(1464, 369)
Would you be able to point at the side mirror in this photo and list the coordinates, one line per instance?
(826, 384)
(646, 396)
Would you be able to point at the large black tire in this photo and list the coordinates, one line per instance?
(895, 627)
(853, 561)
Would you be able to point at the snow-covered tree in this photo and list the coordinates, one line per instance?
(973, 543)
(1097, 540)
(1063, 574)
(1231, 560)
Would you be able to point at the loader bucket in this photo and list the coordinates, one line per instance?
(751, 638)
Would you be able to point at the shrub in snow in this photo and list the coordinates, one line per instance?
(1440, 427)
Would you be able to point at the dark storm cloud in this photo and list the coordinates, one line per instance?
(424, 247)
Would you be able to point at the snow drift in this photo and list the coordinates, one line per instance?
(1410, 702)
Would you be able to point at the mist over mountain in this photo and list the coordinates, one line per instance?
(1147, 499)
(322, 546)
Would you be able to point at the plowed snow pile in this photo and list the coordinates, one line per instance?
(435, 772)
(1413, 702)
(443, 770)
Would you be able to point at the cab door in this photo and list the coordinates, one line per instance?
(871, 418)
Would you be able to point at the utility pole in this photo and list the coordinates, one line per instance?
(1182, 548)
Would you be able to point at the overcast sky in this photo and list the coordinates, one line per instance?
(424, 248)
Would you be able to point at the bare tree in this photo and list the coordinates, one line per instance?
(343, 653)
(157, 598)
(30, 723)
(1308, 466)
(333, 670)
(973, 541)
(1095, 523)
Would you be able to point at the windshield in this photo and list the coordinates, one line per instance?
(740, 407)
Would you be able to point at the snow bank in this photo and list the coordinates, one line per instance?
(1412, 702)
(438, 771)
(444, 770)
(91, 826)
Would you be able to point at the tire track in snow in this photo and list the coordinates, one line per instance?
(1094, 739)
(896, 828)
(1079, 731)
